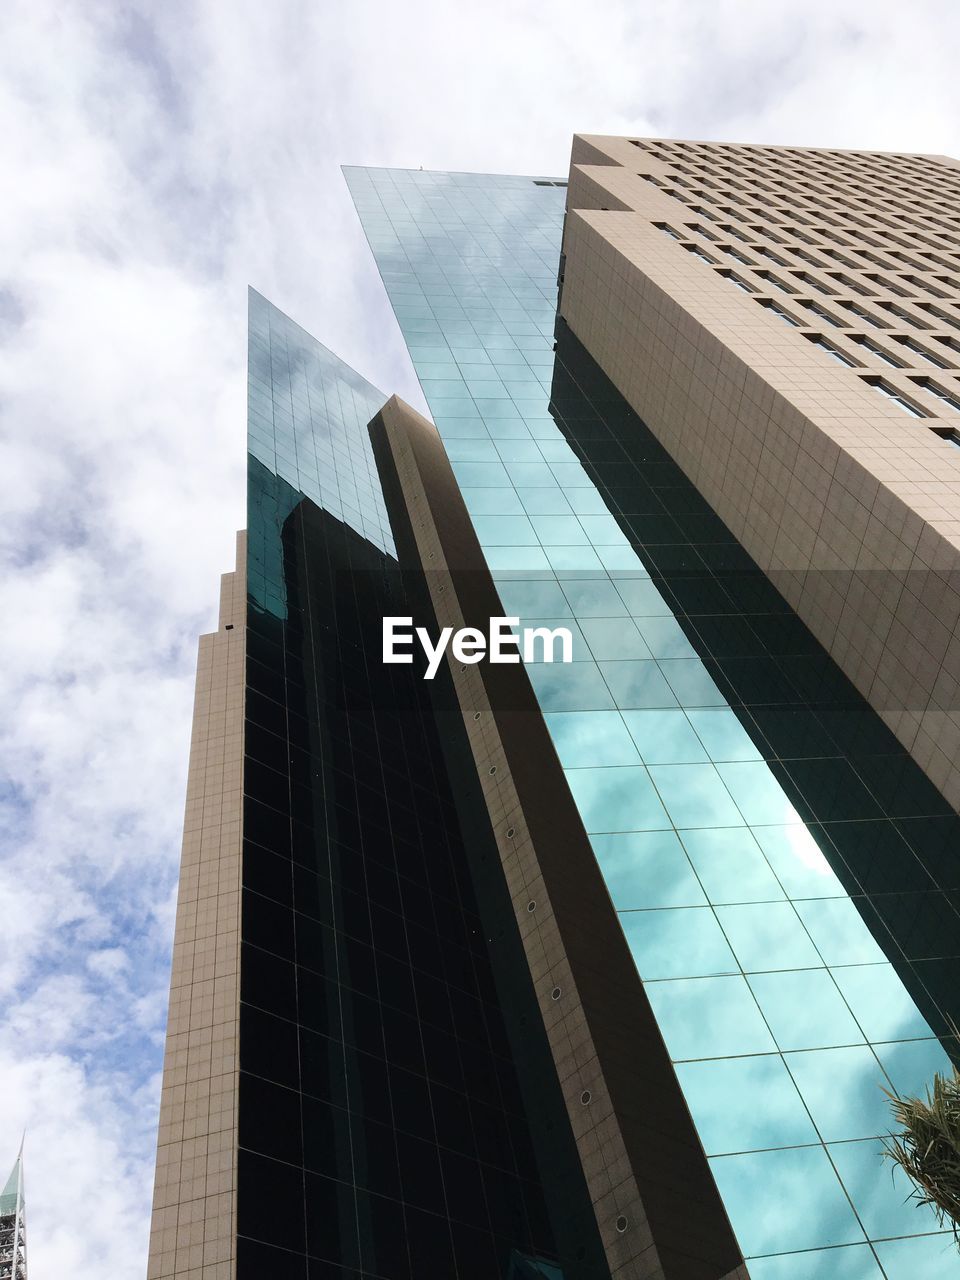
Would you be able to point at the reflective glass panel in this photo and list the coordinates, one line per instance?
(804, 1009)
(647, 869)
(784, 1180)
(745, 1104)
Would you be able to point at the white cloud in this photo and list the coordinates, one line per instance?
(156, 159)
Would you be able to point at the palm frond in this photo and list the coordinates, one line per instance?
(927, 1147)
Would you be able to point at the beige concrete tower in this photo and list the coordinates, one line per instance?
(787, 323)
(194, 1204)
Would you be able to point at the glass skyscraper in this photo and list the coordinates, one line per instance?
(599, 969)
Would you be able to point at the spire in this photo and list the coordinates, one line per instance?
(13, 1236)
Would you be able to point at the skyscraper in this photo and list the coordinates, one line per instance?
(600, 968)
(13, 1226)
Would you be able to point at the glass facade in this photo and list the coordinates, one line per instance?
(785, 875)
(382, 1131)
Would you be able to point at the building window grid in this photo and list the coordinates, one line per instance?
(764, 230)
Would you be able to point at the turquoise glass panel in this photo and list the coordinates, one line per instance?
(840, 932)
(782, 1181)
(730, 865)
(910, 1065)
(745, 1104)
(760, 796)
(665, 736)
(709, 1018)
(678, 942)
(614, 638)
(804, 1009)
(694, 795)
(879, 1002)
(843, 1090)
(768, 936)
(591, 738)
(620, 798)
(647, 869)
(798, 861)
(638, 684)
(880, 1191)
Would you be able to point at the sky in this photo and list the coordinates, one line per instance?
(155, 159)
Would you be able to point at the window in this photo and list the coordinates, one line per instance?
(859, 312)
(769, 234)
(777, 282)
(822, 314)
(924, 286)
(883, 283)
(853, 285)
(877, 352)
(912, 262)
(829, 349)
(939, 313)
(741, 284)
(736, 255)
(771, 256)
(701, 231)
(780, 313)
(878, 261)
(912, 345)
(947, 398)
(698, 253)
(891, 393)
(932, 257)
(813, 283)
(841, 257)
(732, 231)
(667, 231)
(808, 257)
(906, 316)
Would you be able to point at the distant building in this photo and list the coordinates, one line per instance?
(13, 1227)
